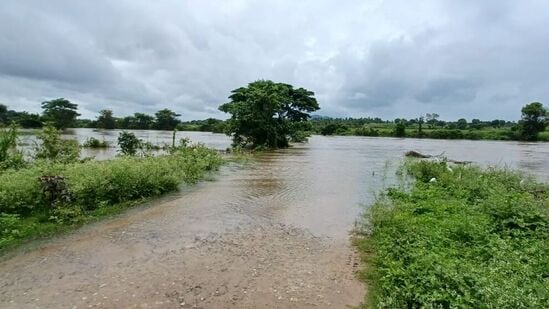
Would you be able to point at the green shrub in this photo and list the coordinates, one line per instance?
(89, 185)
(129, 143)
(93, 142)
(10, 157)
(53, 148)
(471, 239)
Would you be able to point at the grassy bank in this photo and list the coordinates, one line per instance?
(471, 238)
(47, 197)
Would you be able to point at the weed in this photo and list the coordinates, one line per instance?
(473, 238)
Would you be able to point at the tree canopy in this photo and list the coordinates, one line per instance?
(533, 121)
(61, 112)
(166, 119)
(106, 119)
(268, 114)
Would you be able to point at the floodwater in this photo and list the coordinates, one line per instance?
(27, 141)
(273, 233)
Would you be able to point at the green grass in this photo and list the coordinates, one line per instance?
(91, 189)
(471, 239)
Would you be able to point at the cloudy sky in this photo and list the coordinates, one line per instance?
(466, 58)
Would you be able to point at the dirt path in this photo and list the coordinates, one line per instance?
(230, 243)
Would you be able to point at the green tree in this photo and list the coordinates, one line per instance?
(143, 121)
(400, 129)
(106, 119)
(432, 119)
(61, 112)
(533, 121)
(266, 113)
(462, 124)
(129, 143)
(420, 122)
(166, 119)
(3, 113)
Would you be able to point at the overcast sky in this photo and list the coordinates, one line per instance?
(458, 58)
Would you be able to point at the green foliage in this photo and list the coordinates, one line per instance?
(400, 129)
(533, 121)
(93, 142)
(129, 143)
(469, 239)
(208, 125)
(138, 121)
(61, 112)
(90, 186)
(265, 113)
(10, 157)
(106, 120)
(366, 131)
(166, 119)
(52, 147)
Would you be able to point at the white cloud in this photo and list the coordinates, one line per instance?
(362, 58)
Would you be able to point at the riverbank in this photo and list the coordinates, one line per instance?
(47, 198)
(388, 130)
(459, 237)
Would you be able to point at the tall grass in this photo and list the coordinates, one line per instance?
(9, 156)
(461, 237)
(26, 206)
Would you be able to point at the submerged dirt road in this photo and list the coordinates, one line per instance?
(273, 234)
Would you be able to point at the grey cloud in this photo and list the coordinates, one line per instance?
(376, 58)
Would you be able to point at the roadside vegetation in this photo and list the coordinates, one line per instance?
(458, 237)
(56, 191)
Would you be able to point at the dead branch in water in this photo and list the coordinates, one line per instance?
(415, 154)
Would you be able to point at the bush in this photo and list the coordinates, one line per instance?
(89, 185)
(53, 148)
(471, 239)
(129, 143)
(10, 157)
(93, 142)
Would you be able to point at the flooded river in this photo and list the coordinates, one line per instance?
(271, 233)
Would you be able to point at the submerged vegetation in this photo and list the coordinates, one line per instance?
(58, 190)
(460, 237)
(93, 142)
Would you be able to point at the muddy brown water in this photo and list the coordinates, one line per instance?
(273, 233)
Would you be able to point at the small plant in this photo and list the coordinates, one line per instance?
(93, 142)
(54, 148)
(55, 190)
(129, 143)
(9, 156)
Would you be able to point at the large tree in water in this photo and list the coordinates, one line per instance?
(268, 114)
(61, 112)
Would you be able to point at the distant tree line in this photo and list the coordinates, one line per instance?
(533, 121)
(63, 114)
